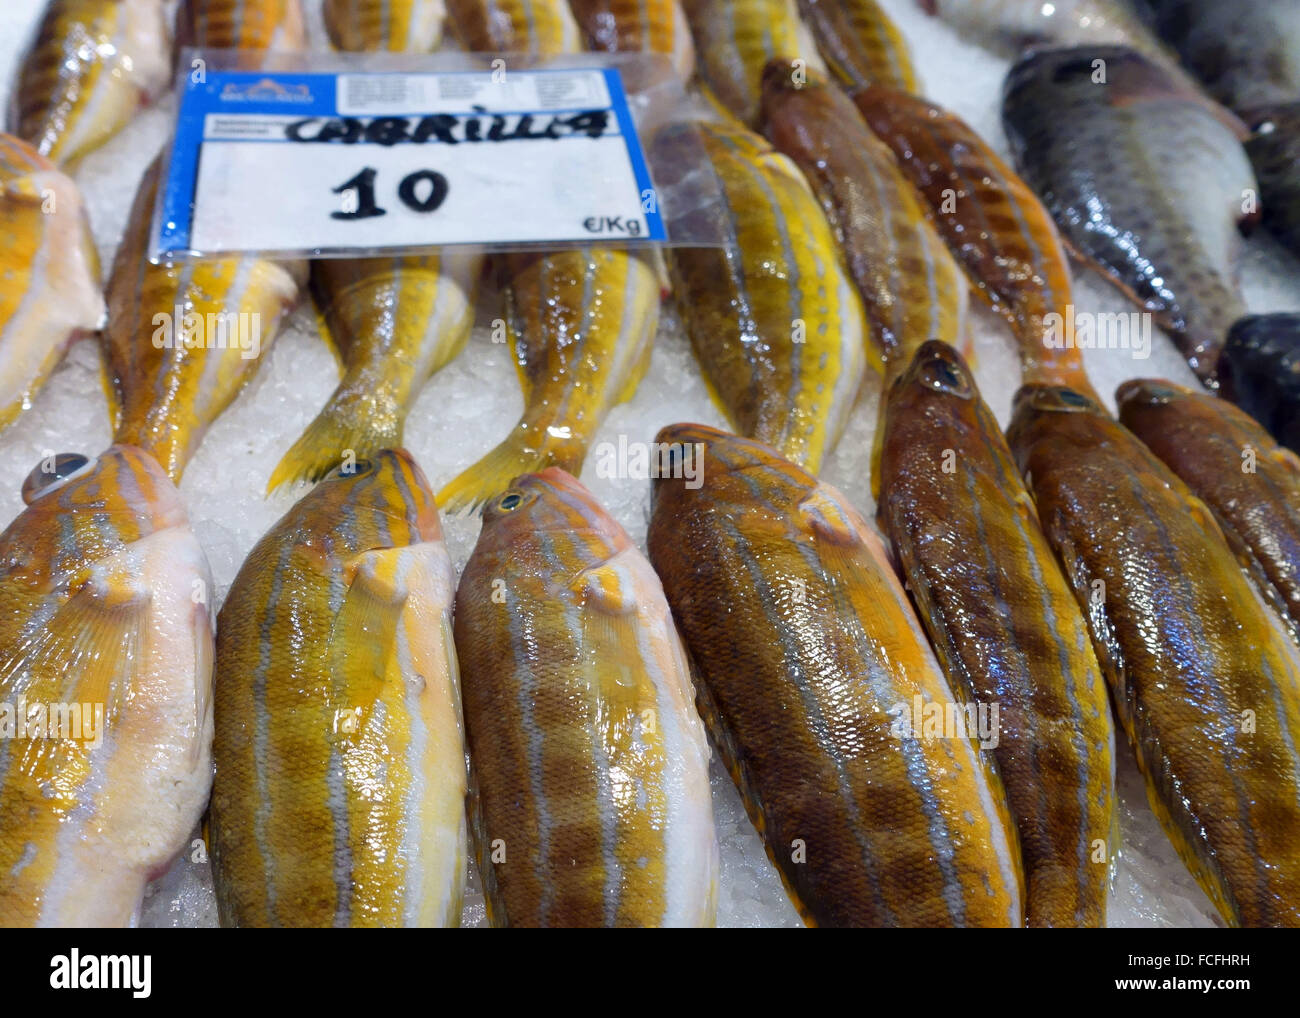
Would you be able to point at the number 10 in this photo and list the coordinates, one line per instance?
(362, 186)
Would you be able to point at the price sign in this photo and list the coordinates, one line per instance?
(351, 162)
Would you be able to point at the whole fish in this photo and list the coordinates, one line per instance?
(775, 320)
(814, 678)
(1247, 53)
(860, 44)
(1006, 627)
(1261, 373)
(394, 323)
(399, 26)
(1232, 465)
(534, 27)
(1102, 155)
(590, 794)
(49, 273)
(184, 337)
(581, 324)
(637, 26)
(91, 67)
(1010, 25)
(993, 223)
(105, 689)
(339, 798)
(1204, 679)
(911, 287)
(736, 39)
(242, 24)
(1274, 150)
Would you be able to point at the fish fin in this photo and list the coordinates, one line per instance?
(827, 518)
(364, 634)
(610, 586)
(492, 474)
(345, 425)
(323, 327)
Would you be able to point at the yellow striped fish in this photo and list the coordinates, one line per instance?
(536, 27)
(590, 791)
(774, 318)
(637, 26)
(340, 790)
(860, 44)
(93, 64)
(49, 273)
(106, 645)
(184, 337)
(857, 762)
(581, 324)
(398, 26)
(241, 24)
(394, 322)
(736, 39)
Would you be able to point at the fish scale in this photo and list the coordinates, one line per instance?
(805, 652)
(339, 798)
(590, 793)
(637, 26)
(396, 26)
(242, 24)
(537, 28)
(860, 43)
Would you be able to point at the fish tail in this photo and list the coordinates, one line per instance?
(341, 431)
(518, 454)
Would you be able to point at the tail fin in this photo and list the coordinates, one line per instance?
(342, 429)
(518, 454)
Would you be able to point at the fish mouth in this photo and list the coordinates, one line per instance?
(1148, 392)
(1055, 399)
(938, 367)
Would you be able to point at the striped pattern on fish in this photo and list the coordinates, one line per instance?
(339, 798)
(1006, 628)
(394, 322)
(92, 65)
(993, 223)
(911, 287)
(103, 602)
(165, 392)
(1205, 681)
(736, 39)
(637, 26)
(774, 318)
(49, 273)
(805, 652)
(860, 44)
(396, 26)
(242, 24)
(538, 28)
(581, 323)
(591, 793)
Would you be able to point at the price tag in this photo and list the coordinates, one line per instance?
(349, 162)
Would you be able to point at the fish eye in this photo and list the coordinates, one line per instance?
(353, 469)
(510, 501)
(52, 472)
(1074, 399)
(942, 374)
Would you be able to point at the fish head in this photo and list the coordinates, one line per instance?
(936, 377)
(81, 510)
(551, 502)
(383, 498)
(800, 109)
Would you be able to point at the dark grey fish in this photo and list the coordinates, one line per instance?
(1260, 369)
(1146, 178)
(1274, 150)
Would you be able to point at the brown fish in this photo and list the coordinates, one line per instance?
(276, 25)
(637, 26)
(860, 43)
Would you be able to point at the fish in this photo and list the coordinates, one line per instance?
(736, 39)
(912, 289)
(1006, 628)
(581, 324)
(106, 651)
(184, 337)
(1204, 679)
(860, 44)
(992, 221)
(276, 25)
(49, 273)
(395, 322)
(538, 28)
(1232, 464)
(1260, 367)
(1007, 26)
(1102, 158)
(1274, 150)
(774, 318)
(637, 26)
(92, 66)
(1247, 53)
(590, 801)
(398, 26)
(340, 791)
(811, 671)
